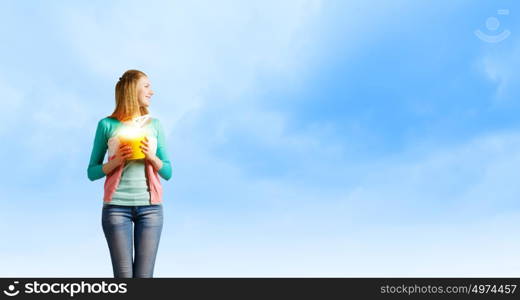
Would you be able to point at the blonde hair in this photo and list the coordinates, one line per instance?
(127, 103)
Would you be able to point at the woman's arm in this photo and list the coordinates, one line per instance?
(156, 162)
(164, 168)
(99, 148)
(96, 168)
(109, 166)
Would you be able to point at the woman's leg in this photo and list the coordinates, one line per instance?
(148, 227)
(117, 226)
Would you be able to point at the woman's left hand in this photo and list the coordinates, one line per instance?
(144, 148)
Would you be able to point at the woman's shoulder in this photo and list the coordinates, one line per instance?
(156, 126)
(108, 121)
(108, 126)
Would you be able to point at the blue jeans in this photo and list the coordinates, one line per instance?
(117, 226)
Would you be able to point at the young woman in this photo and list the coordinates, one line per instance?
(132, 190)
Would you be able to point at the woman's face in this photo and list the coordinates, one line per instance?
(144, 91)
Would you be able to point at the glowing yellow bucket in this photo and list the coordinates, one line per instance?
(132, 136)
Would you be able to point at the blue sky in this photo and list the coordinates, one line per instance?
(308, 138)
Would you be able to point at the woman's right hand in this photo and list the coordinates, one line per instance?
(123, 153)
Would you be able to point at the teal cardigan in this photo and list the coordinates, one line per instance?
(105, 129)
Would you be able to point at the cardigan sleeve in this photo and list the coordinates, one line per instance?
(166, 169)
(99, 148)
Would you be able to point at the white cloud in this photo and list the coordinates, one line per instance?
(430, 212)
(466, 181)
(433, 211)
(482, 249)
(501, 67)
(191, 50)
(203, 62)
(202, 56)
(13, 103)
(57, 123)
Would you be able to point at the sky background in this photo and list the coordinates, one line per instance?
(307, 138)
